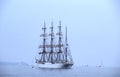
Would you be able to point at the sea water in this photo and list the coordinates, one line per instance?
(19, 70)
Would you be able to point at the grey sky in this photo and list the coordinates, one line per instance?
(93, 29)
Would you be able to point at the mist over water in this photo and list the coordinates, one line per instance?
(20, 70)
(93, 29)
(93, 36)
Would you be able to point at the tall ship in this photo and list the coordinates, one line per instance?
(54, 51)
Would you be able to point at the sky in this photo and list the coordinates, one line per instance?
(93, 29)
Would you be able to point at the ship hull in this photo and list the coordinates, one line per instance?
(49, 65)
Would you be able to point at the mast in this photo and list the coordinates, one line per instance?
(68, 56)
(44, 39)
(51, 37)
(51, 54)
(66, 47)
(60, 34)
(60, 55)
(43, 53)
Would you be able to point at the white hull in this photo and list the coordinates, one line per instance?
(57, 65)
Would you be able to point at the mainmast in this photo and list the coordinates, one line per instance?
(60, 34)
(51, 55)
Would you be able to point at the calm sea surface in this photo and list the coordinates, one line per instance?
(27, 71)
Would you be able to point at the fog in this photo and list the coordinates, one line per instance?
(93, 29)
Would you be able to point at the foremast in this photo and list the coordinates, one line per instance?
(44, 52)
